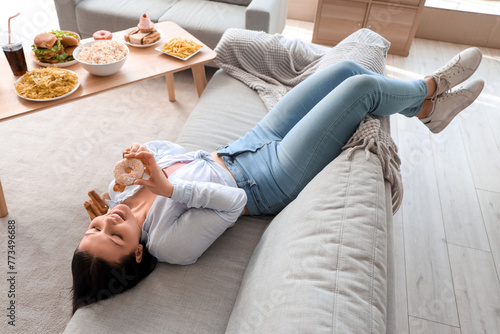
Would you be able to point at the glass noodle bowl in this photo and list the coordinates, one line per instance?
(102, 57)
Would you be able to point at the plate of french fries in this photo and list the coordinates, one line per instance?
(180, 48)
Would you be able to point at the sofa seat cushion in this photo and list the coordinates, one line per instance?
(117, 15)
(206, 20)
(321, 265)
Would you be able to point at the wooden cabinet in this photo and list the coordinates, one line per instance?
(396, 20)
(339, 19)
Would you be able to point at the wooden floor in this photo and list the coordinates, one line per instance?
(447, 232)
(448, 229)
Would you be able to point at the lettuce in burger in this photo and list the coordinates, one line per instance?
(55, 47)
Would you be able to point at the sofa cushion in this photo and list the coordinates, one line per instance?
(235, 2)
(204, 19)
(218, 118)
(321, 265)
(117, 15)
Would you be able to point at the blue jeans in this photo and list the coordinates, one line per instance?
(307, 129)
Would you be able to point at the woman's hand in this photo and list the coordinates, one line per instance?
(135, 148)
(158, 182)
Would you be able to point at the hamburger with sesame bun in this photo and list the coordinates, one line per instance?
(55, 47)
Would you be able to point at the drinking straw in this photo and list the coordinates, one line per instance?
(9, 24)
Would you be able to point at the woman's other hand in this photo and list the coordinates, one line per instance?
(158, 182)
(135, 148)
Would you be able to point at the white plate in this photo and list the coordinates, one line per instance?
(54, 98)
(140, 45)
(66, 64)
(171, 55)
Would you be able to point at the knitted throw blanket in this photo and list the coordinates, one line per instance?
(370, 138)
(272, 65)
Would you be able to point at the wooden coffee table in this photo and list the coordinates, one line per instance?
(141, 64)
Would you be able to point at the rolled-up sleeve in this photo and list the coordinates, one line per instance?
(211, 209)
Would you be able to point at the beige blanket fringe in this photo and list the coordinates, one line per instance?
(372, 139)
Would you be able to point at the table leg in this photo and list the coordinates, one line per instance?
(200, 78)
(3, 205)
(170, 86)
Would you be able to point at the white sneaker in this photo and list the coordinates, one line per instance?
(457, 70)
(448, 105)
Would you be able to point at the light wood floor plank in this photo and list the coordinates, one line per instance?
(490, 72)
(477, 290)
(490, 205)
(477, 131)
(457, 191)
(421, 326)
(429, 280)
(298, 29)
(479, 142)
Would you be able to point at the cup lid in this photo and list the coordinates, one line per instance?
(14, 39)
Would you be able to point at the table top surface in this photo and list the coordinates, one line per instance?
(142, 63)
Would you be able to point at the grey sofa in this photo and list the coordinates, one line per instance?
(205, 19)
(323, 265)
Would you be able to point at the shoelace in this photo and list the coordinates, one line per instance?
(450, 93)
(456, 68)
(447, 94)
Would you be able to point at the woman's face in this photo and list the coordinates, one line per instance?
(113, 236)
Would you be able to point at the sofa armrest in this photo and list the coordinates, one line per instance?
(266, 15)
(66, 13)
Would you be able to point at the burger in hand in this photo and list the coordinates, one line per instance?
(55, 47)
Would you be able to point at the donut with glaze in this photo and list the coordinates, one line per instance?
(126, 172)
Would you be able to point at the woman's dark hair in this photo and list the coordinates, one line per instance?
(94, 279)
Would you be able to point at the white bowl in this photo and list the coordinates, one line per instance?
(101, 69)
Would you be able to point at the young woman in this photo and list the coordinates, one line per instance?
(188, 200)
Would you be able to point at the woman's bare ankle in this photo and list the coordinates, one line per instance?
(431, 86)
(426, 109)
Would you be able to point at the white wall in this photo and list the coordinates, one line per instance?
(460, 27)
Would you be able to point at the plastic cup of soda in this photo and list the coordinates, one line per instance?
(12, 47)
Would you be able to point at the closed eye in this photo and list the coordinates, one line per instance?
(114, 234)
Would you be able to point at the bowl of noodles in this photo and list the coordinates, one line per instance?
(102, 57)
(46, 84)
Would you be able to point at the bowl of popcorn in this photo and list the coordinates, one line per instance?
(102, 57)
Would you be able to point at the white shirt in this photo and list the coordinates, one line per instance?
(205, 202)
